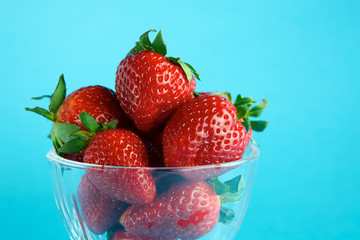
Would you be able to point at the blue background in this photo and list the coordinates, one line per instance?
(303, 56)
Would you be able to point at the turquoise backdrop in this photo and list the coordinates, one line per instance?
(302, 55)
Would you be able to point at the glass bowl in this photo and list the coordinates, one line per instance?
(88, 213)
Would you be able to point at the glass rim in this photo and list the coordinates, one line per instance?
(53, 157)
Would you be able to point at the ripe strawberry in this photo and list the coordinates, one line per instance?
(98, 101)
(123, 235)
(120, 148)
(150, 86)
(204, 131)
(255, 112)
(98, 210)
(208, 130)
(188, 210)
(79, 157)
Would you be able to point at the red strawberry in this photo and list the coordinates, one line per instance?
(210, 130)
(98, 210)
(204, 131)
(98, 101)
(259, 107)
(188, 210)
(121, 148)
(150, 86)
(79, 157)
(122, 235)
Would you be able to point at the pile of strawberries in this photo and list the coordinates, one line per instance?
(155, 119)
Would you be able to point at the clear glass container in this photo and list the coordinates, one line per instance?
(70, 178)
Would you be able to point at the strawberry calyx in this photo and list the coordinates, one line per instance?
(158, 46)
(231, 192)
(245, 109)
(68, 138)
(223, 94)
(226, 215)
(186, 67)
(56, 99)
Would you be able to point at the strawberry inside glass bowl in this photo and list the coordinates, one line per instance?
(202, 202)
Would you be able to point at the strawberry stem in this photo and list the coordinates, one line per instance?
(68, 138)
(56, 99)
(159, 46)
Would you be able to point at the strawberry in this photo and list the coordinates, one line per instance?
(150, 86)
(75, 157)
(255, 112)
(204, 131)
(98, 101)
(188, 210)
(123, 235)
(120, 148)
(98, 210)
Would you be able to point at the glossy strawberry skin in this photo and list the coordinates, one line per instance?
(150, 88)
(98, 101)
(120, 148)
(122, 235)
(98, 210)
(204, 131)
(188, 210)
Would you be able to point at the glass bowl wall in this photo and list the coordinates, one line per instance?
(66, 177)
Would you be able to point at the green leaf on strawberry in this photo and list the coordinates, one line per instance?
(258, 109)
(259, 126)
(187, 68)
(56, 99)
(62, 131)
(112, 124)
(67, 138)
(226, 215)
(235, 185)
(230, 191)
(246, 123)
(43, 112)
(245, 110)
(196, 74)
(73, 146)
(89, 122)
(159, 46)
(219, 187)
(58, 96)
(41, 97)
(145, 40)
